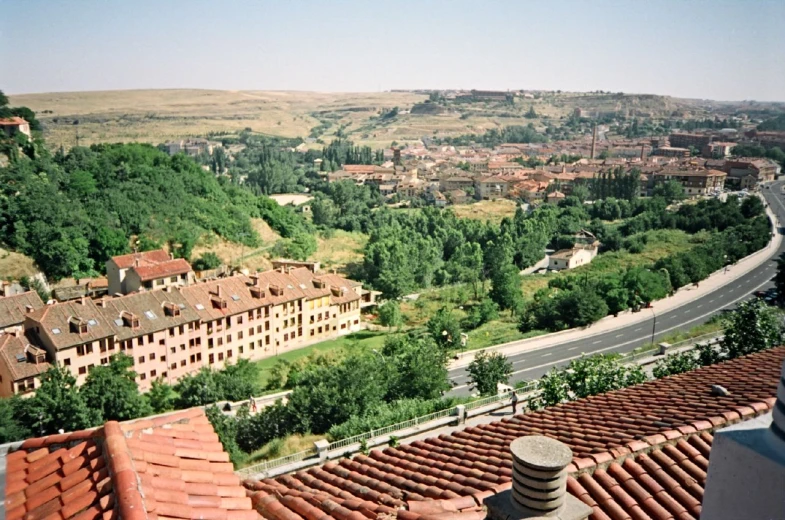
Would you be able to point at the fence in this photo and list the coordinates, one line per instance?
(711, 338)
(281, 461)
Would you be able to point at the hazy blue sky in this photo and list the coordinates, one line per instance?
(716, 49)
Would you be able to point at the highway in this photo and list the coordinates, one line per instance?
(534, 363)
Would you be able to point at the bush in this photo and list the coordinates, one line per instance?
(208, 260)
(386, 414)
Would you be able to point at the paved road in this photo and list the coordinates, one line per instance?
(533, 364)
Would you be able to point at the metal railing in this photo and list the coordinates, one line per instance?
(711, 338)
(348, 441)
(274, 463)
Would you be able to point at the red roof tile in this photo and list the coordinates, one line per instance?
(145, 258)
(162, 270)
(171, 465)
(631, 460)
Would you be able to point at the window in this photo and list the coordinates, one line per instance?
(80, 350)
(228, 338)
(250, 346)
(171, 332)
(228, 321)
(266, 325)
(181, 329)
(220, 341)
(153, 373)
(173, 279)
(182, 346)
(149, 338)
(312, 332)
(162, 342)
(143, 376)
(240, 349)
(212, 358)
(104, 361)
(172, 350)
(67, 362)
(267, 340)
(286, 337)
(251, 331)
(320, 330)
(240, 319)
(199, 356)
(152, 356)
(141, 359)
(209, 342)
(182, 362)
(193, 359)
(220, 356)
(173, 366)
(228, 353)
(259, 328)
(82, 370)
(140, 341)
(240, 335)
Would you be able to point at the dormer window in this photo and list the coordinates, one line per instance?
(170, 309)
(218, 303)
(77, 325)
(258, 292)
(318, 283)
(129, 319)
(276, 290)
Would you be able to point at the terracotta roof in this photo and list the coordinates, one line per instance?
(12, 308)
(661, 482)
(469, 465)
(147, 257)
(13, 354)
(170, 466)
(12, 121)
(162, 270)
(53, 321)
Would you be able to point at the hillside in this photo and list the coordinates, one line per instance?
(155, 116)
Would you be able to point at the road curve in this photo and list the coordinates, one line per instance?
(534, 363)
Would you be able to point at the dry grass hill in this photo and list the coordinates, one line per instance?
(158, 115)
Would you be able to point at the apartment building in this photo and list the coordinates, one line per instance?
(13, 309)
(21, 364)
(748, 172)
(695, 182)
(685, 140)
(490, 187)
(178, 330)
(148, 270)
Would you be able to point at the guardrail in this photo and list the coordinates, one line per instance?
(711, 338)
(274, 463)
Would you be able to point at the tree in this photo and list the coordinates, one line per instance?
(482, 313)
(531, 114)
(112, 390)
(197, 389)
(238, 381)
(676, 364)
(418, 368)
(487, 370)
(390, 314)
(752, 327)
(11, 427)
(505, 276)
(58, 404)
(445, 329)
(585, 377)
(671, 191)
(208, 260)
(161, 396)
(299, 247)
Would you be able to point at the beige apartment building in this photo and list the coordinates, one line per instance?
(176, 330)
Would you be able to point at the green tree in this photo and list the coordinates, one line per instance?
(418, 368)
(208, 260)
(238, 381)
(752, 327)
(198, 389)
(58, 404)
(487, 370)
(112, 390)
(390, 314)
(11, 412)
(161, 396)
(299, 247)
(676, 364)
(505, 276)
(587, 376)
(671, 191)
(226, 429)
(445, 329)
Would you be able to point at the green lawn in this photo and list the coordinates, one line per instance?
(364, 339)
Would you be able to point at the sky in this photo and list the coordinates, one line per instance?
(717, 49)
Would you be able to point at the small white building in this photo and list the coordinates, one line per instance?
(571, 258)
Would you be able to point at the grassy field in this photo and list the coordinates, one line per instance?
(493, 210)
(340, 249)
(14, 266)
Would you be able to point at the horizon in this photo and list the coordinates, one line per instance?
(354, 47)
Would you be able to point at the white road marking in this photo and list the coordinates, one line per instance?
(639, 328)
(548, 354)
(699, 306)
(619, 335)
(711, 301)
(598, 341)
(572, 348)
